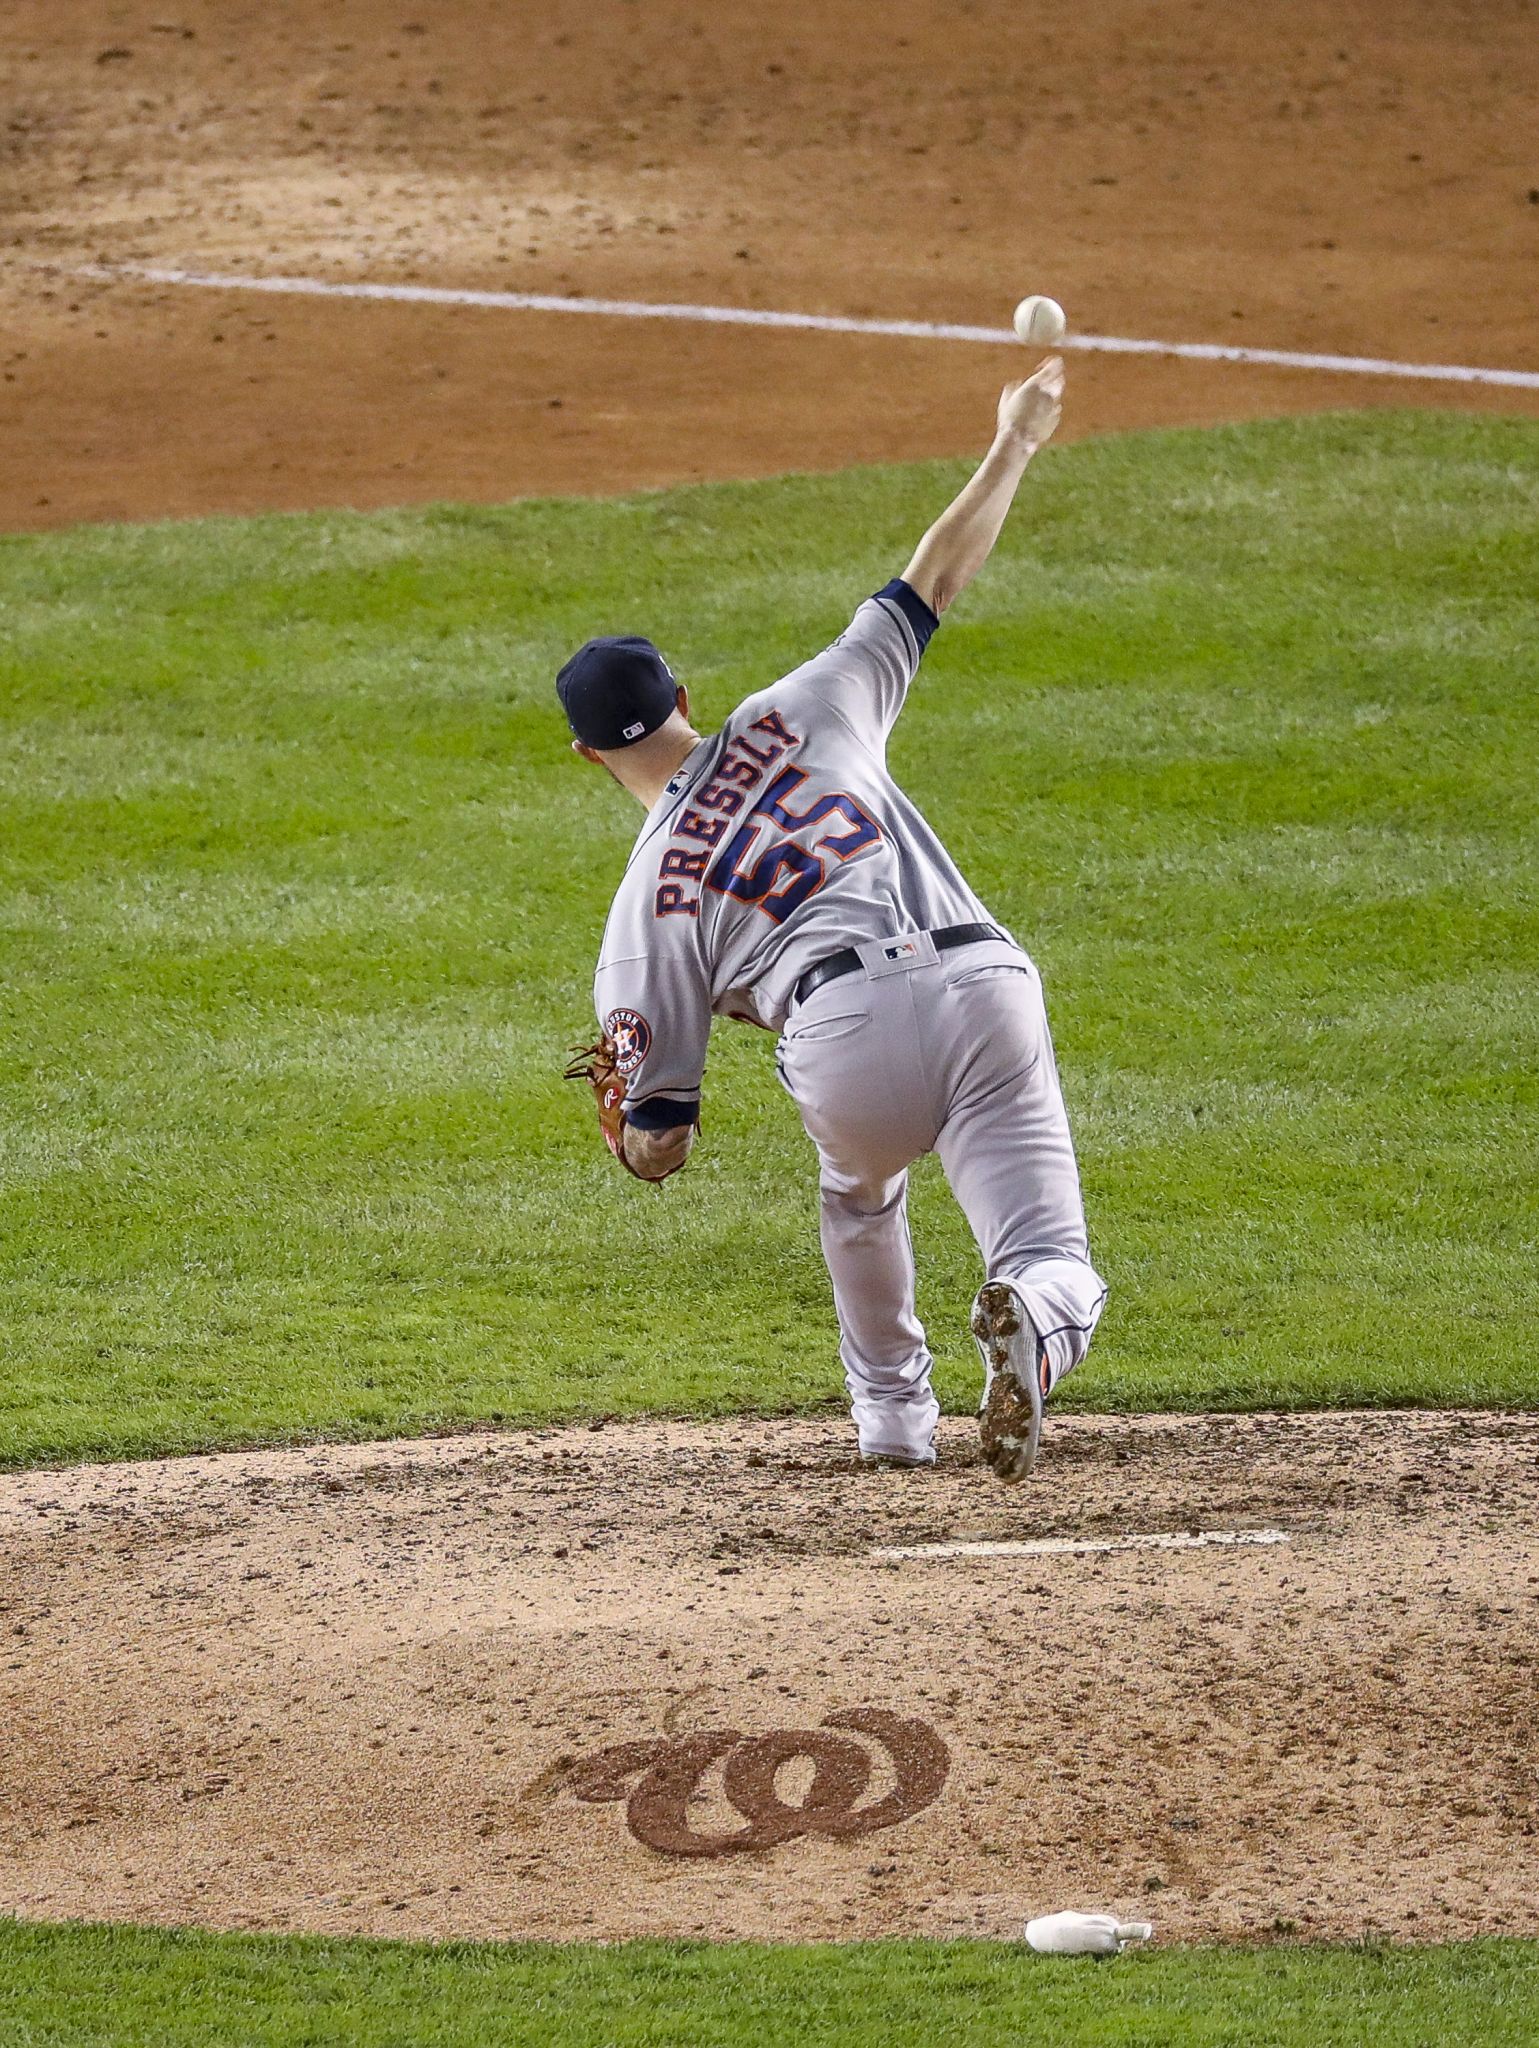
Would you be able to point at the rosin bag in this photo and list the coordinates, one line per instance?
(1084, 1934)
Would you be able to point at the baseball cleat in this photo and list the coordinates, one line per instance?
(1014, 1374)
(890, 1461)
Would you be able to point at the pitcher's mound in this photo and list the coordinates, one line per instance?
(660, 1679)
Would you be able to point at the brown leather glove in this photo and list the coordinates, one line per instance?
(595, 1064)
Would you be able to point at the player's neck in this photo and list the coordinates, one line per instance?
(647, 774)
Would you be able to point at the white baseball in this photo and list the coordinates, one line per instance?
(1039, 320)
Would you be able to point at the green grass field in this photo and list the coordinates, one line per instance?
(301, 890)
(69, 1987)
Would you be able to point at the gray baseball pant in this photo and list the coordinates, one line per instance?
(947, 1053)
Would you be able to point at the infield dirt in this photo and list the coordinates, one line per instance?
(380, 1688)
(1339, 175)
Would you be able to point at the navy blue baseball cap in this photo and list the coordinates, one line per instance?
(615, 691)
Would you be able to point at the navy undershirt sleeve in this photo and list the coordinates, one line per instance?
(662, 1113)
(913, 607)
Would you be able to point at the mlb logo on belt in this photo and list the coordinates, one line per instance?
(897, 956)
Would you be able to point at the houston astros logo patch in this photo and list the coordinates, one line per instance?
(632, 1034)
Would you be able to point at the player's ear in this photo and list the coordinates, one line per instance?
(588, 753)
(682, 701)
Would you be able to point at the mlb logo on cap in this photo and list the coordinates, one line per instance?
(634, 732)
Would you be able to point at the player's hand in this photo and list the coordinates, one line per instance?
(654, 1155)
(1030, 409)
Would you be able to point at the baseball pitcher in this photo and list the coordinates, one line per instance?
(783, 877)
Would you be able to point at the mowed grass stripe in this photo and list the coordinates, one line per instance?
(119, 1987)
(300, 890)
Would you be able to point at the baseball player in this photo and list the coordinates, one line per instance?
(783, 877)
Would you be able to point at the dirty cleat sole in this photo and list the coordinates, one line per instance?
(1010, 1419)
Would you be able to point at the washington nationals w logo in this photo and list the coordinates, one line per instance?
(670, 1771)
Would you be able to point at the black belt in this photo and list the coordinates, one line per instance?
(846, 962)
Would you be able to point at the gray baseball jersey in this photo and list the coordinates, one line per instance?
(780, 839)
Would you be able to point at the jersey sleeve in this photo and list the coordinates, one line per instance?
(865, 674)
(658, 1012)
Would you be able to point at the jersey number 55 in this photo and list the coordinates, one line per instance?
(804, 866)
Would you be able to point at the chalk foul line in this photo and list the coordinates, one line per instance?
(818, 323)
(1066, 1546)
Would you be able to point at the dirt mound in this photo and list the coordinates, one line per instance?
(650, 1679)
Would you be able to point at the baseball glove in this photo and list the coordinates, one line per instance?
(595, 1064)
